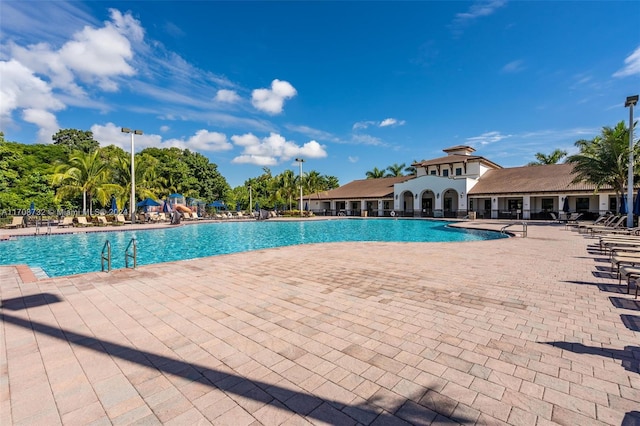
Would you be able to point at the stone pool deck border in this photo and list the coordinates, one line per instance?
(523, 331)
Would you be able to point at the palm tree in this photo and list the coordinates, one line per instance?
(553, 158)
(148, 184)
(85, 173)
(376, 173)
(410, 170)
(603, 161)
(395, 170)
(315, 183)
(287, 187)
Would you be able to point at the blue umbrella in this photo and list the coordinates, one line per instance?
(565, 206)
(32, 208)
(148, 202)
(217, 204)
(114, 205)
(166, 208)
(257, 207)
(306, 206)
(623, 205)
(636, 205)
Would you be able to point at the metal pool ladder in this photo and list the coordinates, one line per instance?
(134, 255)
(39, 225)
(523, 231)
(106, 256)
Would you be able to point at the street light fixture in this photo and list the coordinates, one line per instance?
(300, 161)
(630, 102)
(133, 175)
(250, 200)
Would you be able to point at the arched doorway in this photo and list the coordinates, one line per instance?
(427, 203)
(450, 202)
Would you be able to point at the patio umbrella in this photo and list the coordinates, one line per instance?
(623, 205)
(114, 205)
(565, 206)
(217, 204)
(636, 205)
(166, 207)
(148, 202)
(32, 208)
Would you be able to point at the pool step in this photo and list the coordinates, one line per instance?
(39, 272)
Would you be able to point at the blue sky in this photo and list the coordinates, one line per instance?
(348, 86)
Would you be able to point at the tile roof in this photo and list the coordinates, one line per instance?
(364, 188)
(528, 179)
(455, 158)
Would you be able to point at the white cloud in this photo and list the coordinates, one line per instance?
(21, 89)
(513, 67)
(164, 129)
(46, 122)
(387, 122)
(631, 65)
(273, 149)
(477, 10)
(353, 159)
(201, 141)
(272, 100)
(487, 138)
(362, 139)
(95, 55)
(228, 96)
(391, 122)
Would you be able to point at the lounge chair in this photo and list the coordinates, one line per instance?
(120, 219)
(82, 221)
(66, 222)
(17, 222)
(630, 273)
(102, 221)
(616, 224)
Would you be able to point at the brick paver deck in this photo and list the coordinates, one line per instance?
(524, 331)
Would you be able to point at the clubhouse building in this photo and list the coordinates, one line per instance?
(461, 184)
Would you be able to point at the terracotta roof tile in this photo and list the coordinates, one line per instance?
(364, 188)
(528, 179)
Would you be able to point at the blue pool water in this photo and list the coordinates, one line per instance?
(68, 254)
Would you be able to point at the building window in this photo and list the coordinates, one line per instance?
(547, 204)
(515, 204)
(613, 204)
(459, 171)
(582, 204)
(445, 172)
(433, 172)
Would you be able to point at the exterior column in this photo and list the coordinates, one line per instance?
(494, 207)
(526, 207)
(603, 203)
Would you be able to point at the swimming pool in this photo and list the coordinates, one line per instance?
(68, 254)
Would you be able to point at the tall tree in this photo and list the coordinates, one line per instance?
(395, 170)
(376, 173)
(604, 160)
(553, 158)
(76, 140)
(87, 174)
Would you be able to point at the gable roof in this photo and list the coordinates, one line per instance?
(529, 179)
(364, 188)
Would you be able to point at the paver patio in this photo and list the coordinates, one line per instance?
(523, 331)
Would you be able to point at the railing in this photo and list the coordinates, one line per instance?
(39, 225)
(127, 255)
(106, 257)
(523, 231)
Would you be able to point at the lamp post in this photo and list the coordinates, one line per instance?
(133, 174)
(630, 102)
(300, 161)
(250, 200)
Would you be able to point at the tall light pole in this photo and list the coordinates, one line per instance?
(630, 102)
(250, 200)
(300, 161)
(133, 172)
